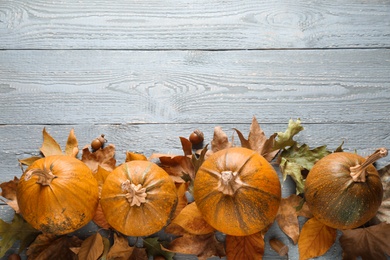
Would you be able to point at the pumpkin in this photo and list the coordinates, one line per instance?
(138, 198)
(237, 191)
(343, 190)
(57, 194)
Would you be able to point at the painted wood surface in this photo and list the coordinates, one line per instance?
(146, 72)
(190, 24)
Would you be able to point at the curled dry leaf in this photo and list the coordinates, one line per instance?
(220, 140)
(131, 156)
(287, 218)
(8, 191)
(245, 247)
(369, 243)
(104, 158)
(49, 145)
(191, 220)
(203, 246)
(315, 239)
(177, 166)
(72, 146)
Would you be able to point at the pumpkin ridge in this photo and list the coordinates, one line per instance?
(215, 174)
(240, 169)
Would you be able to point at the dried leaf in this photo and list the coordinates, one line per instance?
(220, 140)
(315, 239)
(287, 217)
(72, 146)
(285, 139)
(99, 219)
(48, 246)
(120, 250)
(383, 213)
(369, 243)
(17, 230)
(245, 247)
(258, 142)
(154, 248)
(186, 146)
(29, 161)
(177, 166)
(197, 161)
(191, 220)
(91, 248)
(49, 145)
(131, 156)
(182, 200)
(104, 158)
(8, 191)
(203, 246)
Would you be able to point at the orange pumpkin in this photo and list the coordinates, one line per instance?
(237, 191)
(138, 198)
(57, 194)
(343, 190)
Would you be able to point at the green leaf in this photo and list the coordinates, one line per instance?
(18, 229)
(296, 158)
(285, 139)
(153, 247)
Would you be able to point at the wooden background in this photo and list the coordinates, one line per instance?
(146, 72)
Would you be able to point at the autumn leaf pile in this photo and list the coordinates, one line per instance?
(187, 232)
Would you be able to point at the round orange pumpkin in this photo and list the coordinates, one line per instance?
(57, 194)
(237, 191)
(343, 190)
(138, 198)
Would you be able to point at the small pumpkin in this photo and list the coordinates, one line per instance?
(138, 198)
(57, 194)
(343, 190)
(237, 191)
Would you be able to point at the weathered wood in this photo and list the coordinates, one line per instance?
(183, 24)
(23, 141)
(119, 87)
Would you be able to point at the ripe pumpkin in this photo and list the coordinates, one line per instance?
(138, 198)
(237, 191)
(343, 190)
(57, 194)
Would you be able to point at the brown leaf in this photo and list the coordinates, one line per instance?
(182, 200)
(120, 250)
(370, 243)
(315, 239)
(131, 156)
(383, 213)
(49, 145)
(8, 191)
(203, 246)
(29, 161)
(220, 140)
(72, 146)
(186, 146)
(104, 158)
(177, 166)
(287, 217)
(258, 142)
(91, 248)
(245, 247)
(139, 254)
(99, 218)
(48, 246)
(191, 220)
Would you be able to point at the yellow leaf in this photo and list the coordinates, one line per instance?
(91, 248)
(30, 160)
(49, 145)
(131, 156)
(120, 249)
(71, 148)
(245, 247)
(315, 239)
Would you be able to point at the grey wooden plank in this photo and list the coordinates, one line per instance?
(21, 141)
(119, 87)
(190, 24)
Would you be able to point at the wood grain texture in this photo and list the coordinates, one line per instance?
(120, 87)
(190, 24)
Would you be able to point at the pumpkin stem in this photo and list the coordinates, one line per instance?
(229, 182)
(45, 176)
(358, 172)
(136, 195)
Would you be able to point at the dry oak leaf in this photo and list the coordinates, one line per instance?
(287, 218)
(315, 239)
(383, 213)
(191, 220)
(245, 247)
(51, 147)
(91, 248)
(8, 191)
(258, 142)
(104, 158)
(47, 246)
(369, 243)
(203, 246)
